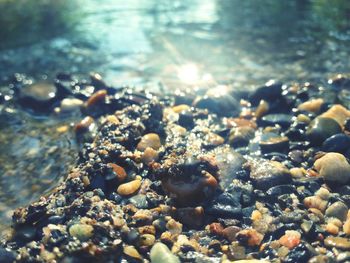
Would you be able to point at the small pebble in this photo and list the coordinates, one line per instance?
(160, 253)
(151, 140)
(338, 210)
(129, 188)
(337, 242)
(81, 231)
(132, 252)
(334, 168)
(290, 239)
(313, 105)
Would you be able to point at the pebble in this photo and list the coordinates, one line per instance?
(129, 188)
(84, 125)
(337, 143)
(147, 240)
(284, 120)
(265, 173)
(81, 231)
(70, 105)
(160, 253)
(132, 253)
(174, 227)
(290, 239)
(240, 136)
(346, 227)
(338, 210)
(321, 128)
(274, 144)
(7, 256)
(118, 171)
(250, 237)
(151, 140)
(337, 242)
(149, 155)
(313, 105)
(96, 98)
(38, 96)
(334, 168)
(315, 202)
(262, 109)
(337, 113)
(269, 92)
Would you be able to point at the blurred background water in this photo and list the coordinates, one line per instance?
(196, 43)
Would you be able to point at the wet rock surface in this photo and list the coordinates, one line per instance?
(162, 181)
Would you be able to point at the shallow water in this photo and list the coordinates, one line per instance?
(168, 44)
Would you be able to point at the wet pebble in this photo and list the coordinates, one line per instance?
(266, 174)
(38, 96)
(274, 144)
(334, 168)
(7, 256)
(81, 231)
(313, 105)
(337, 143)
(337, 242)
(240, 136)
(321, 129)
(271, 91)
(160, 253)
(284, 120)
(151, 140)
(130, 251)
(218, 102)
(129, 188)
(338, 210)
(70, 105)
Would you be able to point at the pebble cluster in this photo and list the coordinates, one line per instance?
(200, 179)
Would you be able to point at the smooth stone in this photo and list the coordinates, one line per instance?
(97, 81)
(139, 201)
(132, 252)
(269, 92)
(334, 168)
(151, 140)
(70, 105)
(218, 102)
(39, 96)
(278, 190)
(81, 231)
(160, 253)
(338, 210)
(301, 253)
(229, 163)
(337, 242)
(284, 120)
(337, 143)
(344, 97)
(240, 136)
(313, 105)
(338, 113)
(7, 256)
(266, 174)
(275, 144)
(129, 188)
(343, 257)
(147, 240)
(321, 129)
(186, 119)
(193, 217)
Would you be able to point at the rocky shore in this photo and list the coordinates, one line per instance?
(225, 176)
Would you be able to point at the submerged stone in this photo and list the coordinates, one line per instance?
(266, 174)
